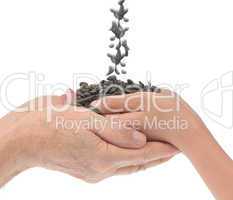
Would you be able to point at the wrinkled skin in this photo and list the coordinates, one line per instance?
(89, 154)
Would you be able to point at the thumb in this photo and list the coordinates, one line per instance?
(151, 152)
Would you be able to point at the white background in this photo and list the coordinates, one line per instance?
(178, 41)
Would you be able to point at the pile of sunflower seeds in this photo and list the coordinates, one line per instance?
(88, 93)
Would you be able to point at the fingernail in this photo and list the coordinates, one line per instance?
(139, 138)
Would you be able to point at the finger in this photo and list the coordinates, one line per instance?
(113, 133)
(152, 151)
(157, 162)
(41, 103)
(137, 168)
(67, 98)
(132, 102)
(135, 120)
(121, 136)
(119, 104)
(70, 97)
(124, 116)
(141, 121)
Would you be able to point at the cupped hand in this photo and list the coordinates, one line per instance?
(85, 155)
(123, 138)
(86, 152)
(163, 116)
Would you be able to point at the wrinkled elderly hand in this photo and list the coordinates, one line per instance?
(61, 141)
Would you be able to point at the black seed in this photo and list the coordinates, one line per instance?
(92, 86)
(123, 64)
(121, 2)
(102, 82)
(126, 47)
(112, 90)
(94, 91)
(149, 84)
(117, 71)
(110, 70)
(83, 84)
(158, 90)
(123, 71)
(130, 82)
(96, 110)
(117, 30)
(113, 38)
(112, 78)
(111, 45)
(153, 88)
(141, 84)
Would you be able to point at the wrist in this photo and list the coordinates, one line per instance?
(12, 156)
(193, 137)
(18, 145)
(30, 134)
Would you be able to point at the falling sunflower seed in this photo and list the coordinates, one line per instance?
(111, 46)
(110, 70)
